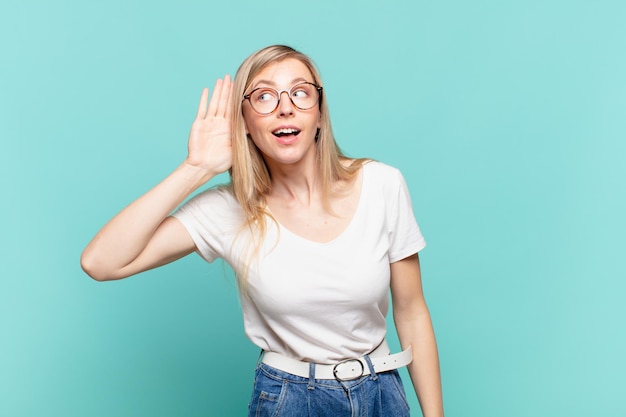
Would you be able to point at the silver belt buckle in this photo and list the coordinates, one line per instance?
(336, 371)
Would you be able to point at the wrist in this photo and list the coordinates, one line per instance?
(194, 174)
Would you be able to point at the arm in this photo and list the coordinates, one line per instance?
(142, 236)
(415, 329)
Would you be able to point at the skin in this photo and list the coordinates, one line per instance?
(143, 236)
(414, 327)
(296, 197)
(282, 76)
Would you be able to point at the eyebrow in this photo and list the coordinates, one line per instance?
(273, 84)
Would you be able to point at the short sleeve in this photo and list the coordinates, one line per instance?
(405, 237)
(212, 219)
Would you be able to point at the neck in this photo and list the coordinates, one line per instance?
(298, 182)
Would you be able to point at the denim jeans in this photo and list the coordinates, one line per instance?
(277, 393)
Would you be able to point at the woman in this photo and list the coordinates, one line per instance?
(316, 240)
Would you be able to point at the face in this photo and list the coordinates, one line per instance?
(286, 136)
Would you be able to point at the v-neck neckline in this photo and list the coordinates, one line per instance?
(283, 229)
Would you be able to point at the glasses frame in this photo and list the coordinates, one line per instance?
(280, 94)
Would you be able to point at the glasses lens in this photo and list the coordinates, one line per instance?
(304, 96)
(265, 100)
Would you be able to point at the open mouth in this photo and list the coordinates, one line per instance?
(279, 133)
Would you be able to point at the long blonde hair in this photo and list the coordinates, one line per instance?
(250, 178)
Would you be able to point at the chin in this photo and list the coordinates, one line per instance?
(291, 156)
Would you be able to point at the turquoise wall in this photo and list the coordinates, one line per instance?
(508, 119)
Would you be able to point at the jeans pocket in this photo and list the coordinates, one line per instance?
(268, 396)
(397, 383)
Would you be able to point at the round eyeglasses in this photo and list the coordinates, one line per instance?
(265, 100)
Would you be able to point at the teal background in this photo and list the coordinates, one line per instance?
(506, 117)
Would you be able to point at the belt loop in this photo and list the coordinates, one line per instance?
(259, 361)
(371, 366)
(311, 385)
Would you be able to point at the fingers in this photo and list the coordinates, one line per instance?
(226, 96)
(217, 90)
(219, 103)
(202, 105)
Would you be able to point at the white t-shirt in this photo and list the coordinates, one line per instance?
(319, 302)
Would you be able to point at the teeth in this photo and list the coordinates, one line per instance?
(281, 132)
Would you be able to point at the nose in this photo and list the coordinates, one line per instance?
(285, 106)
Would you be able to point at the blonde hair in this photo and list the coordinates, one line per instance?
(250, 178)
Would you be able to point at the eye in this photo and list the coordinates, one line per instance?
(264, 96)
(300, 92)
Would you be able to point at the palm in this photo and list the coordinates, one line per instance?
(210, 137)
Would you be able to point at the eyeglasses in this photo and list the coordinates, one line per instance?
(265, 100)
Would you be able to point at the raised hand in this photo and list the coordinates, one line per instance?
(142, 236)
(210, 146)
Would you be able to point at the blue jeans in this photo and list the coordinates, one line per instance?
(277, 393)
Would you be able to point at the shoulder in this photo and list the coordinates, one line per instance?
(220, 195)
(380, 168)
(378, 173)
(217, 202)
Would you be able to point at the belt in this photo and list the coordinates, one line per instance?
(345, 370)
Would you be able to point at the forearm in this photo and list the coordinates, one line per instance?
(125, 236)
(418, 333)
